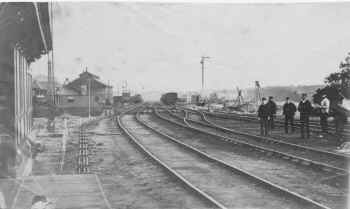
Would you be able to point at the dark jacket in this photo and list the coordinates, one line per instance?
(263, 111)
(305, 108)
(340, 113)
(272, 107)
(289, 109)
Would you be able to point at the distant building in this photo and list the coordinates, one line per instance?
(117, 99)
(195, 99)
(126, 94)
(75, 95)
(41, 89)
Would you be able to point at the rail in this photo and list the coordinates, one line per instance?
(269, 139)
(169, 170)
(283, 155)
(236, 169)
(314, 126)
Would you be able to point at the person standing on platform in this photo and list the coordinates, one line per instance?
(2, 200)
(289, 110)
(305, 109)
(263, 114)
(272, 107)
(340, 118)
(325, 103)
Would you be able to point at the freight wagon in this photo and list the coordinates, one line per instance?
(169, 98)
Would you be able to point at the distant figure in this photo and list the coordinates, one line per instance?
(7, 159)
(41, 202)
(263, 114)
(340, 118)
(289, 110)
(305, 109)
(324, 114)
(272, 108)
(2, 201)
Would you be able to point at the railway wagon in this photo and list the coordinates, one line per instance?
(169, 98)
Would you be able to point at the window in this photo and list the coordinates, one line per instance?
(70, 99)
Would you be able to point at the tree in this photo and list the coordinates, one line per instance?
(338, 84)
(341, 80)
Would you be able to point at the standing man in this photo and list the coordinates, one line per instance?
(324, 113)
(340, 117)
(272, 107)
(263, 114)
(2, 200)
(305, 109)
(289, 110)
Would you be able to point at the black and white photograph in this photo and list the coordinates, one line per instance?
(174, 104)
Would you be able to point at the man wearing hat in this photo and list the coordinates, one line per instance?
(289, 110)
(305, 109)
(325, 103)
(272, 107)
(263, 114)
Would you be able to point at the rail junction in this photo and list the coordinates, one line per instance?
(156, 156)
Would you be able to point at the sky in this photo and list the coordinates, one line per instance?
(157, 46)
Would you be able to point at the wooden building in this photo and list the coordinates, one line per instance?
(25, 37)
(76, 96)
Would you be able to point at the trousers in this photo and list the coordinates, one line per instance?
(264, 126)
(271, 122)
(288, 120)
(324, 122)
(304, 126)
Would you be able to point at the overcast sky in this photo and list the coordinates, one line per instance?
(158, 46)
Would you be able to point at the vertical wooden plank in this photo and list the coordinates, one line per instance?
(15, 91)
(20, 96)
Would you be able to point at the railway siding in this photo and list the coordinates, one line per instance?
(323, 158)
(309, 182)
(223, 163)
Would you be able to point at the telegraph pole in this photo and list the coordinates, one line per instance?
(202, 62)
(89, 93)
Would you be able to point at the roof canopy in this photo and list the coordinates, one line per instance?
(19, 25)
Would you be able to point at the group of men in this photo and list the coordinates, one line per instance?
(267, 111)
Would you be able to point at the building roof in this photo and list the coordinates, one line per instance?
(19, 25)
(66, 91)
(86, 74)
(43, 84)
(84, 79)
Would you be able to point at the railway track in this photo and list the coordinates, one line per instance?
(210, 200)
(307, 155)
(131, 180)
(202, 170)
(340, 173)
(329, 161)
(327, 143)
(314, 125)
(325, 187)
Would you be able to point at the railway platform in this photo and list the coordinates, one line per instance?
(62, 191)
